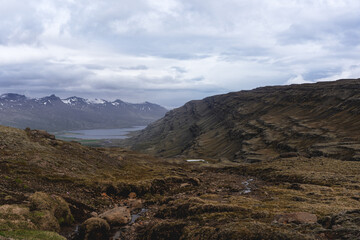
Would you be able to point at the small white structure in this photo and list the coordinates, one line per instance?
(196, 160)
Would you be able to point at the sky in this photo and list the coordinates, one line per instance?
(172, 51)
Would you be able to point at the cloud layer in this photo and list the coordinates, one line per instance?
(172, 51)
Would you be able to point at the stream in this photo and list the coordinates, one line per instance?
(119, 232)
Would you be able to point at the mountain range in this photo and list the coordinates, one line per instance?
(261, 124)
(54, 114)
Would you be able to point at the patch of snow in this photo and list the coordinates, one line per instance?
(66, 101)
(96, 101)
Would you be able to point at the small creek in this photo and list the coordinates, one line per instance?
(118, 234)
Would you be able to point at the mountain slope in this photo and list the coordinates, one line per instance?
(308, 119)
(53, 114)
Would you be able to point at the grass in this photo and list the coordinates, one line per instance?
(31, 235)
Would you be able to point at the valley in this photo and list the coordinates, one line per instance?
(270, 163)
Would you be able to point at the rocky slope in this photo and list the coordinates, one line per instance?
(54, 114)
(319, 119)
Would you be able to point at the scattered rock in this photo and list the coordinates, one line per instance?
(297, 217)
(117, 216)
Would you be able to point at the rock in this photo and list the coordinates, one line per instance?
(132, 195)
(295, 186)
(94, 228)
(297, 217)
(41, 134)
(135, 204)
(184, 185)
(289, 155)
(117, 216)
(94, 214)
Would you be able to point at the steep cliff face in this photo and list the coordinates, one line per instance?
(308, 119)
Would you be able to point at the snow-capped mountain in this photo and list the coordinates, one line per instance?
(53, 114)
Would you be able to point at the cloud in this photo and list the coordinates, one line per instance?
(172, 51)
(138, 67)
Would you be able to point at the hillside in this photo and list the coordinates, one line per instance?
(319, 119)
(54, 114)
(48, 186)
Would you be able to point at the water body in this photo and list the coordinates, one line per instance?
(117, 133)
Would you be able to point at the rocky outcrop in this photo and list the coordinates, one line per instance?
(262, 124)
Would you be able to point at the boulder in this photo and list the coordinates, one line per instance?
(94, 228)
(117, 216)
(296, 217)
(135, 204)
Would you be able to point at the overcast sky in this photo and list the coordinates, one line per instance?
(172, 51)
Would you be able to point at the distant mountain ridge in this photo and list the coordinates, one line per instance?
(54, 114)
(320, 119)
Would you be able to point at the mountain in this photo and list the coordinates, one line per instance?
(319, 119)
(53, 114)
